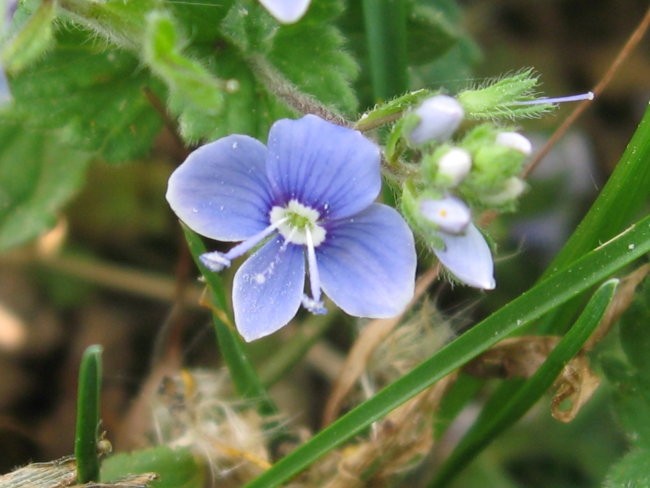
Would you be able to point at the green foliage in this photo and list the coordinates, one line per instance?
(431, 31)
(176, 468)
(37, 176)
(195, 95)
(631, 377)
(94, 93)
(99, 80)
(632, 471)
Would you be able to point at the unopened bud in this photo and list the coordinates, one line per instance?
(515, 141)
(439, 117)
(512, 189)
(454, 166)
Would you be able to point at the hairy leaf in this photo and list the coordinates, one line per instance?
(95, 93)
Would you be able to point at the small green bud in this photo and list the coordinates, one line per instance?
(503, 98)
(511, 189)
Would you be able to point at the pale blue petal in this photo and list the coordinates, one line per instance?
(286, 11)
(221, 190)
(327, 167)
(450, 214)
(367, 263)
(268, 289)
(468, 258)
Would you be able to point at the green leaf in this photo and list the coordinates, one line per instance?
(631, 379)
(431, 33)
(633, 471)
(176, 468)
(312, 54)
(195, 95)
(513, 408)
(121, 22)
(37, 177)
(94, 93)
(88, 415)
(634, 331)
(539, 300)
(203, 18)
(631, 401)
(249, 27)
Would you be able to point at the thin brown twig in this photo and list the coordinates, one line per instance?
(110, 275)
(628, 48)
(167, 120)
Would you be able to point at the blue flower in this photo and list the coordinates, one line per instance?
(303, 203)
(286, 11)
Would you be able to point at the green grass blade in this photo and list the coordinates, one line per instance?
(88, 415)
(627, 191)
(385, 23)
(586, 272)
(533, 389)
(625, 194)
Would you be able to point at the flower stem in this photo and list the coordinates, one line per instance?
(385, 22)
(290, 94)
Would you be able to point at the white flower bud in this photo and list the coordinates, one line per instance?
(439, 117)
(515, 141)
(455, 165)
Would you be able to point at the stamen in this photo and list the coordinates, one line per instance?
(217, 261)
(314, 304)
(570, 98)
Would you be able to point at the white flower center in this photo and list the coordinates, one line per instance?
(296, 221)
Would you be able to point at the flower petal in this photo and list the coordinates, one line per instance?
(327, 167)
(286, 11)
(450, 214)
(268, 289)
(221, 190)
(367, 263)
(468, 258)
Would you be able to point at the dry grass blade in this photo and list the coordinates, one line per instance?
(62, 473)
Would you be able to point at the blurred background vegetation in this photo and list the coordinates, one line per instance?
(113, 269)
